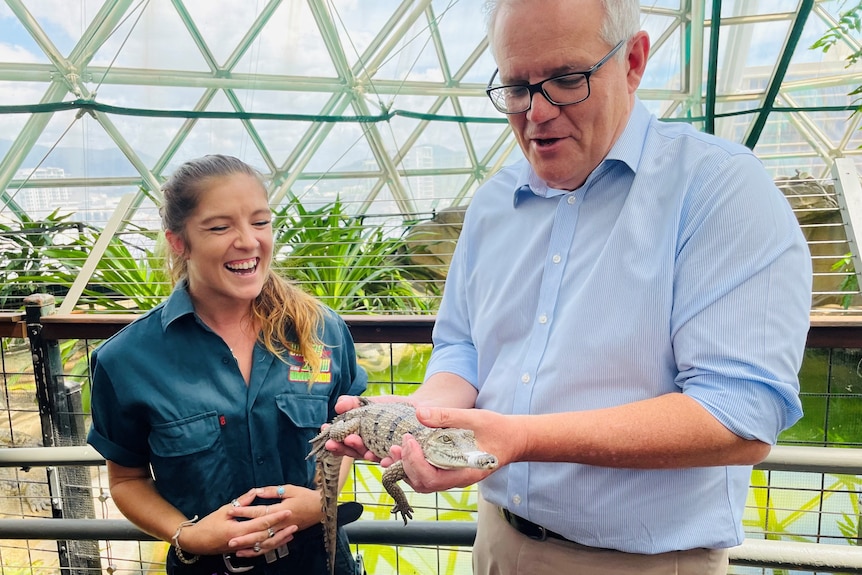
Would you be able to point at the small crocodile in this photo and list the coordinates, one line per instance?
(382, 425)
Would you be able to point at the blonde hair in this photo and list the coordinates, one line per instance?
(280, 304)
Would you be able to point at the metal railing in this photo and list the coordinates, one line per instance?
(45, 331)
(753, 552)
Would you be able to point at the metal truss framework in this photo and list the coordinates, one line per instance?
(381, 103)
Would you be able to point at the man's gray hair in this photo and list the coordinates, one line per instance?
(621, 22)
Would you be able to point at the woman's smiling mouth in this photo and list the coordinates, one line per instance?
(243, 266)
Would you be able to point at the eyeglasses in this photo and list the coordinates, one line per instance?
(563, 90)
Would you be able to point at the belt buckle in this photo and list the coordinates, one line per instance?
(543, 533)
(271, 556)
(235, 568)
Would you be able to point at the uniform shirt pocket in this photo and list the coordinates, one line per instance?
(187, 454)
(301, 416)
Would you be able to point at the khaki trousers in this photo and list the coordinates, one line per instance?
(502, 550)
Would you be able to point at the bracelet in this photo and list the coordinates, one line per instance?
(176, 540)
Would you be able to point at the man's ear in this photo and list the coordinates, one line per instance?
(638, 54)
(178, 246)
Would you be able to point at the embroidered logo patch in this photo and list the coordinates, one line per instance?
(300, 371)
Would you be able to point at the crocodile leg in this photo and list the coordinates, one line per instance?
(391, 476)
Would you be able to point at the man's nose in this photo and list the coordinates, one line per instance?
(541, 108)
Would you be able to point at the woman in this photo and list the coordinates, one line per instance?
(204, 406)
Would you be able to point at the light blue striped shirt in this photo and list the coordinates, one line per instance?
(677, 267)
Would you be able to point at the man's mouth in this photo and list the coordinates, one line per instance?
(243, 267)
(541, 142)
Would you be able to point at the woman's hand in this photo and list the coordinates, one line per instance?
(271, 526)
(265, 527)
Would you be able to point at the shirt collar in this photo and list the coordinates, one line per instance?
(627, 149)
(178, 304)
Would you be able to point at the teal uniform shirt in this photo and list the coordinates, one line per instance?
(168, 393)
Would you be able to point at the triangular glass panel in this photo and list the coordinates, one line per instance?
(149, 135)
(663, 69)
(461, 26)
(359, 24)
(219, 136)
(18, 46)
(485, 135)
(478, 75)
(223, 24)
(64, 23)
(344, 147)
(440, 145)
(413, 58)
(289, 44)
(158, 40)
(430, 193)
(66, 158)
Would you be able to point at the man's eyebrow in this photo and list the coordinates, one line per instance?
(554, 72)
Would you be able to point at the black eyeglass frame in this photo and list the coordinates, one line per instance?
(538, 87)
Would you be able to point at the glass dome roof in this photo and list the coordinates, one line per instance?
(379, 103)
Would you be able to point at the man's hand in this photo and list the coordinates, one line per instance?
(495, 434)
(353, 445)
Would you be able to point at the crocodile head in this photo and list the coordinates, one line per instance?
(456, 448)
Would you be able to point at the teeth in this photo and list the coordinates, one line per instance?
(246, 265)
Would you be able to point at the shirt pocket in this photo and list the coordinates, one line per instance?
(300, 419)
(187, 454)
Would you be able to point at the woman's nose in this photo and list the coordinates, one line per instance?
(245, 238)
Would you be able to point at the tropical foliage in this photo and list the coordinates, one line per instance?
(23, 258)
(349, 265)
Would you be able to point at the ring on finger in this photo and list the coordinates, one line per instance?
(280, 491)
(256, 547)
(235, 503)
(270, 532)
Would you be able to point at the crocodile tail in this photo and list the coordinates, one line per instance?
(328, 471)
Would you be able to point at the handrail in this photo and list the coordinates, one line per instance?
(768, 554)
(826, 330)
(838, 460)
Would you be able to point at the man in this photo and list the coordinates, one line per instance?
(627, 308)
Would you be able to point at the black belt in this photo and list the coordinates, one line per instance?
(528, 528)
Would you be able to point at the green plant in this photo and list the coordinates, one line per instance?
(849, 22)
(127, 277)
(24, 262)
(349, 266)
(850, 282)
(849, 26)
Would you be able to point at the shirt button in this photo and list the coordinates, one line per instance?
(225, 360)
(516, 499)
(556, 259)
(260, 460)
(571, 199)
(525, 378)
(543, 318)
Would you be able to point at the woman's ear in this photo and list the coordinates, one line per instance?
(178, 246)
